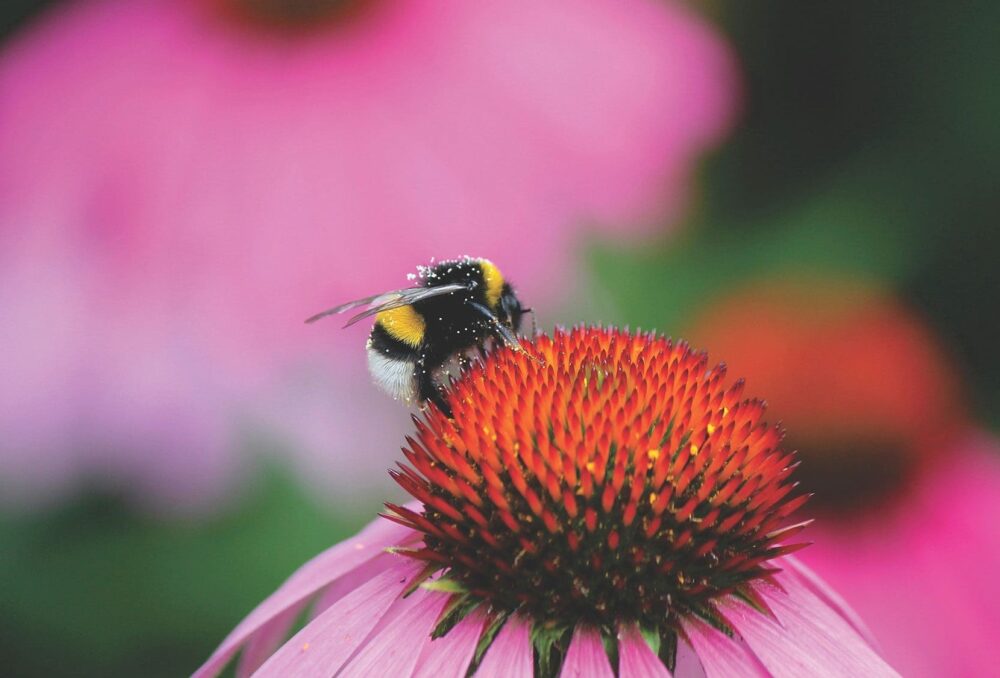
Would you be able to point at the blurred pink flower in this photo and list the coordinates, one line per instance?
(180, 188)
(922, 571)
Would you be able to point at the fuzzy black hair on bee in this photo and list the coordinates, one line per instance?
(458, 305)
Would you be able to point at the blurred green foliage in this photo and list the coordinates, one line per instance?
(15, 13)
(869, 144)
(92, 589)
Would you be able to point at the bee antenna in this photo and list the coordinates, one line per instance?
(534, 321)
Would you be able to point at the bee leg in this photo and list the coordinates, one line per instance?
(428, 390)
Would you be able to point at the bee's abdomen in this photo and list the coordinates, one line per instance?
(391, 363)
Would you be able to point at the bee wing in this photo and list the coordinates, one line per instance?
(388, 301)
(343, 307)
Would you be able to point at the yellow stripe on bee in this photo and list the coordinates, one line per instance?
(494, 282)
(403, 323)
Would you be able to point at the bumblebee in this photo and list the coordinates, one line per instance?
(458, 305)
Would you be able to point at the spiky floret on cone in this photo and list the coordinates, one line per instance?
(618, 479)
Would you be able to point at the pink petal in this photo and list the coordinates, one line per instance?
(636, 658)
(809, 638)
(824, 592)
(398, 639)
(266, 640)
(511, 653)
(688, 664)
(350, 581)
(586, 657)
(449, 657)
(719, 654)
(310, 578)
(323, 646)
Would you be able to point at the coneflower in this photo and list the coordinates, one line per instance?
(601, 504)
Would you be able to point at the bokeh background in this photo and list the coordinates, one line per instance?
(808, 190)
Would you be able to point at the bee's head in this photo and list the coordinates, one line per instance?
(509, 309)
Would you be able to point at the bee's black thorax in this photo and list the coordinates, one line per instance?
(449, 323)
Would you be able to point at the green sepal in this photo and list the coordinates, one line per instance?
(712, 616)
(422, 576)
(610, 647)
(486, 638)
(667, 651)
(458, 607)
(550, 642)
(444, 585)
(652, 638)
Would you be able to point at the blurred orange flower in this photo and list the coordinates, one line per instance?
(864, 388)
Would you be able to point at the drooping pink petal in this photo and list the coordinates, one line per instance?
(348, 582)
(267, 639)
(720, 656)
(808, 638)
(586, 657)
(319, 572)
(449, 657)
(322, 647)
(636, 658)
(398, 640)
(511, 653)
(262, 643)
(824, 592)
